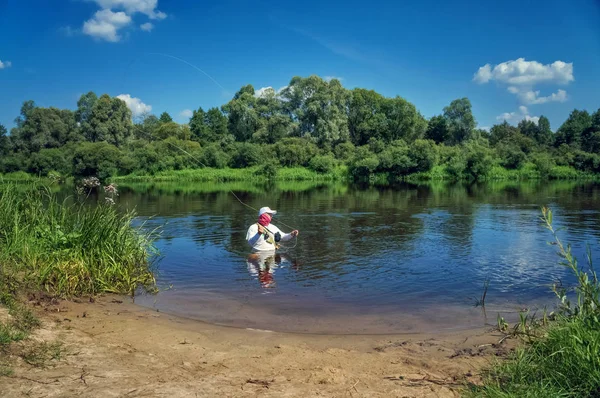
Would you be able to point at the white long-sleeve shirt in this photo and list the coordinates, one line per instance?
(258, 241)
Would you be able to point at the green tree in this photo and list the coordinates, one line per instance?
(200, 131)
(4, 141)
(529, 129)
(85, 104)
(110, 121)
(274, 124)
(243, 120)
(590, 138)
(26, 108)
(96, 159)
(460, 119)
(545, 136)
(145, 129)
(45, 128)
(366, 117)
(571, 130)
(403, 121)
(165, 118)
(437, 130)
(502, 132)
(217, 123)
(172, 130)
(319, 107)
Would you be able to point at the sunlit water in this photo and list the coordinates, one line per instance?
(377, 260)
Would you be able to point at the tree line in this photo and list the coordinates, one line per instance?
(311, 123)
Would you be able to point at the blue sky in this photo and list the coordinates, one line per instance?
(536, 57)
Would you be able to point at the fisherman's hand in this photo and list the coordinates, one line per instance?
(261, 229)
(294, 233)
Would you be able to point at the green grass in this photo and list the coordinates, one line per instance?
(250, 174)
(564, 363)
(562, 358)
(69, 248)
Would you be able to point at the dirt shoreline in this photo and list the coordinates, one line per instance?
(113, 348)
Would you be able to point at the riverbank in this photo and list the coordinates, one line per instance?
(115, 348)
(269, 173)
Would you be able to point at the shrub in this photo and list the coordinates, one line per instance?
(322, 164)
(344, 151)
(96, 159)
(511, 156)
(246, 155)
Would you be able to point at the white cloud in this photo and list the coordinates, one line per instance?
(516, 117)
(186, 113)
(106, 24)
(521, 72)
(5, 64)
(533, 97)
(136, 105)
(483, 74)
(330, 78)
(147, 7)
(147, 27)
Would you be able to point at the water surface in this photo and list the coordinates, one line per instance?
(376, 260)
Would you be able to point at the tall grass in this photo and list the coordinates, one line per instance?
(563, 358)
(69, 248)
(252, 174)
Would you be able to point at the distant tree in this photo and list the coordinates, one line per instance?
(366, 117)
(437, 130)
(26, 109)
(243, 120)
(460, 119)
(545, 136)
(110, 121)
(216, 122)
(165, 118)
(571, 130)
(4, 141)
(590, 138)
(502, 132)
(320, 109)
(84, 107)
(145, 128)
(403, 120)
(45, 128)
(200, 130)
(529, 129)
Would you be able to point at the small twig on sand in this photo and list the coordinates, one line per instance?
(264, 383)
(354, 386)
(35, 381)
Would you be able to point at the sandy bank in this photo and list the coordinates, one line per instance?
(118, 349)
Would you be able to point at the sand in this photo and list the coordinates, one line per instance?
(113, 348)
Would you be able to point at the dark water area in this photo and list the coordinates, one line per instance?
(396, 259)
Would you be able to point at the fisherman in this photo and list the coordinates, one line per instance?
(264, 236)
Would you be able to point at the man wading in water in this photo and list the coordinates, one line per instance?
(264, 238)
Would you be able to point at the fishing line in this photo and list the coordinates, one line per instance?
(186, 152)
(230, 191)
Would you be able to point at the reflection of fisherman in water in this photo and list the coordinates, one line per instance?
(264, 264)
(264, 238)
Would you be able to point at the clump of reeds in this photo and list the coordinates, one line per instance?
(69, 248)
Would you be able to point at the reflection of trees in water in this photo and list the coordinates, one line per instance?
(338, 222)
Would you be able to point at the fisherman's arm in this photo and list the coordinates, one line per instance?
(285, 237)
(253, 235)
